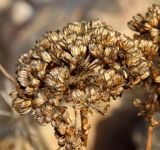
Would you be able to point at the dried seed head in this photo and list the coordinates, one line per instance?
(148, 25)
(82, 67)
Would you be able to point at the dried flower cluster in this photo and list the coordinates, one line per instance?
(147, 26)
(148, 30)
(71, 73)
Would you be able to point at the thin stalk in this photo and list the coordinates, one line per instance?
(85, 136)
(6, 74)
(76, 119)
(149, 138)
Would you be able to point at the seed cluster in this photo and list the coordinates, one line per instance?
(148, 31)
(82, 67)
(147, 26)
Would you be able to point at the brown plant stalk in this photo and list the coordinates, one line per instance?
(149, 138)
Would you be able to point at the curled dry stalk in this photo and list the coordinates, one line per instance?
(86, 65)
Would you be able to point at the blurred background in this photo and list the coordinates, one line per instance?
(24, 21)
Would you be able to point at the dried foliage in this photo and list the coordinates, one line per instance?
(82, 68)
(147, 28)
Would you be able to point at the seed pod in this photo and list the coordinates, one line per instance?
(61, 141)
(77, 143)
(137, 102)
(21, 105)
(62, 129)
(29, 90)
(157, 79)
(46, 57)
(37, 102)
(35, 82)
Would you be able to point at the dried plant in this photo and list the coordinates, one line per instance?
(21, 129)
(147, 28)
(69, 74)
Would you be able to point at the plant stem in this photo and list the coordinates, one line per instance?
(85, 136)
(76, 119)
(149, 139)
(6, 74)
